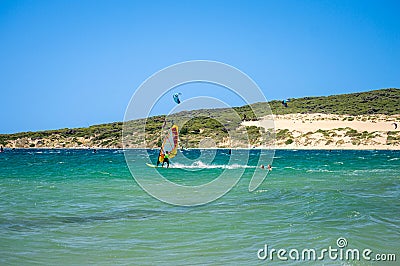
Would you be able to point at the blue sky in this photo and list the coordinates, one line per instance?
(77, 63)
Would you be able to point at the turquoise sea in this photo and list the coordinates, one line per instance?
(77, 207)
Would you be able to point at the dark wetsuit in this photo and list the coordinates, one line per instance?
(166, 160)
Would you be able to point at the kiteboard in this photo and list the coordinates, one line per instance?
(151, 165)
(155, 166)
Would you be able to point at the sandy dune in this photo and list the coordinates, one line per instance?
(322, 131)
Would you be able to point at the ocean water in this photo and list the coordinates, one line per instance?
(76, 207)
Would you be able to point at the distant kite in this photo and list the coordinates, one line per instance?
(176, 97)
(395, 125)
(284, 103)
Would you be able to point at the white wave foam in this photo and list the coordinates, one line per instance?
(201, 165)
(319, 171)
(290, 167)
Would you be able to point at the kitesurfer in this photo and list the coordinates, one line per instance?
(1, 149)
(269, 167)
(166, 159)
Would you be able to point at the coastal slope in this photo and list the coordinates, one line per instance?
(366, 120)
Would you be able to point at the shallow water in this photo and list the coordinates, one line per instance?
(77, 207)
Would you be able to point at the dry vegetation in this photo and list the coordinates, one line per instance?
(228, 130)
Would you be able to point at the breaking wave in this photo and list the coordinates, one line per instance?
(201, 165)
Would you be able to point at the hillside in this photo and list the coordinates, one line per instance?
(370, 106)
(385, 101)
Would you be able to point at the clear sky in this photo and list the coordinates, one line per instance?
(77, 63)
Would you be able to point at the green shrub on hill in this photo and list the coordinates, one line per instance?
(216, 123)
(254, 134)
(383, 101)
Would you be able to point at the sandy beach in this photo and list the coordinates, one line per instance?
(292, 131)
(327, 131)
